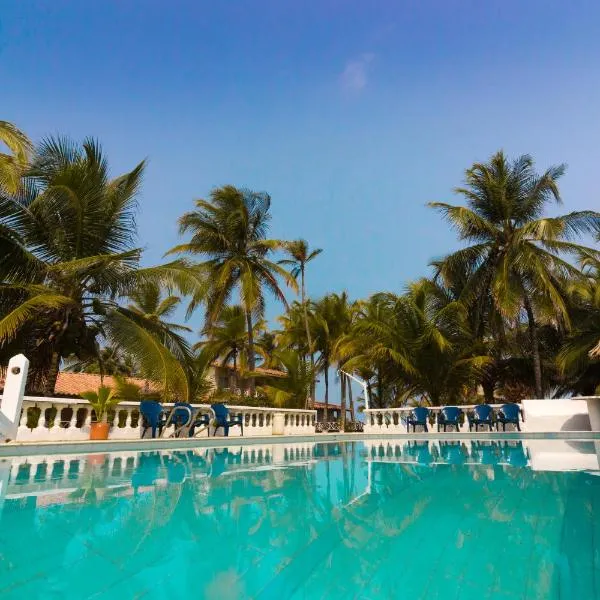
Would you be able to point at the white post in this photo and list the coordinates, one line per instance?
(364, 387)
(12, 400)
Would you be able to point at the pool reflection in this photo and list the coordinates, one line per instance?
(274, 520)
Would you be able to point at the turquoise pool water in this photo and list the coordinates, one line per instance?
(364, 520)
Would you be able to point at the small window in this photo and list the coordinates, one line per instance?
(223, 383)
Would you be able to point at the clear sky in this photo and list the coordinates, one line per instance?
(351, 114)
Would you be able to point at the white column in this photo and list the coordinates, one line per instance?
(12, 399)
(593, 404)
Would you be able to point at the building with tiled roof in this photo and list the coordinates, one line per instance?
(223, 377)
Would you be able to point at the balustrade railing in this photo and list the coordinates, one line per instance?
(393, 420)
(68, 419)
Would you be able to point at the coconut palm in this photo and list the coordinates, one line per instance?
(229, 232)
(68, 257)
(289, 391)
(517, 256)
(12, 165)
(417, 347)
(266, 347)
(300, 256)
(332, 319)
(111, 360)
(579, 356)
(226, 339)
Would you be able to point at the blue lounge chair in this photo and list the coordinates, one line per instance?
(182, 417)
(222, 419)
(153, 416)
(508, 414)
(418, 416)
(449, 417)
(482, 414)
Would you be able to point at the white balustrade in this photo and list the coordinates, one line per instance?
(73, 416)
(393, 420)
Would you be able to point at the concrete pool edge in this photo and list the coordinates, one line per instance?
(11, 449)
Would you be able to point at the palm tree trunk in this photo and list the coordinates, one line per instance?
(251, 357)
(380, 388)
(351, 402)
(535, 347)
(488, 391)
(234, 379)
(343, 402)
(308, 337)
(326, 373)
(52, 376)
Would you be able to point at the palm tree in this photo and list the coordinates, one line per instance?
(300, 256)
(12, 165)
(68, 256)
(266, 347)
(332, 319)
(578, 357)
(229, 232)
(416, 346)
(517, 256)
(150, 302)
(289, 391)
(227, 338)
(111, 360)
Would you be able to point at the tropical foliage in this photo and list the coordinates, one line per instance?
(514, 312)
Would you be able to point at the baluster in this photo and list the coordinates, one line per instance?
(73, 419)
(23, 431)
(88, 420)
(54, 432)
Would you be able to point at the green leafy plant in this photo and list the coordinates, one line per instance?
(101, 401)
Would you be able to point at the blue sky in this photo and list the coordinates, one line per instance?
(352, 114)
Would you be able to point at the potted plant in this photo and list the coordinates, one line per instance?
(101, 402)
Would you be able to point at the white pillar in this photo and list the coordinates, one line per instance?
(593, 404)
(12, 400)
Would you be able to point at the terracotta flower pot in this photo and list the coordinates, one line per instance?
(99, 430)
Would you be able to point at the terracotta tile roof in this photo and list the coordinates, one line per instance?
(331, 405)
(73, 384)
(271, 372)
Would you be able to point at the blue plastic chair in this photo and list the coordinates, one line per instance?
(418, 416)
(449, 417)
(222, 419)
(508, 414)
(182, 416)
(153, 416)
(483, 414)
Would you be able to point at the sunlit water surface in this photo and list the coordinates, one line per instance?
(343, 520)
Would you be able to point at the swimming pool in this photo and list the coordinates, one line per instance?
(373, 519)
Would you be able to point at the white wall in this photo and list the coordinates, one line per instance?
(556, 415)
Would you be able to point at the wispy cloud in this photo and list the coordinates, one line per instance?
(355, 75)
